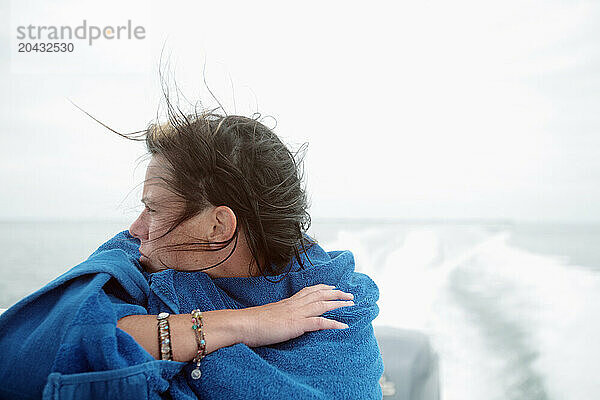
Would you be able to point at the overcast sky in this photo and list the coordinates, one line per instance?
(429, 109)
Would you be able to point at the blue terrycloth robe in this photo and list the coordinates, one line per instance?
(62, 341)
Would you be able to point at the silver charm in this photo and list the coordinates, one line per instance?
(196, 374)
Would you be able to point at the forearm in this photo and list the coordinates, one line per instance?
(221, 329)
(254, 326)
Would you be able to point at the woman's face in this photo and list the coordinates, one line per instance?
(162, 207)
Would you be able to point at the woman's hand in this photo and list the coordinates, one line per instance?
(291, 317)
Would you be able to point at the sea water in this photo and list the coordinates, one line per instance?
(511, 309)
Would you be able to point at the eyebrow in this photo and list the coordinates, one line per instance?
(147, 201)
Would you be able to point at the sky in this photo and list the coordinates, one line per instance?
(411, 110)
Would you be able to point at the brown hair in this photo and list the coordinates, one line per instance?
(217, 159)
(236, 161)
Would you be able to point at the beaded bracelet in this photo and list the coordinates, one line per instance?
(164, 337)
(197, 327)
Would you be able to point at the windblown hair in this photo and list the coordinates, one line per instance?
(236, 161)
(215, 159)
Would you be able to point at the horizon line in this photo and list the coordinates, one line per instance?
(335, 220)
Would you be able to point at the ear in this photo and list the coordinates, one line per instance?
(224, 222)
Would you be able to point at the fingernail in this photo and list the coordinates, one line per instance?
(350, 303)
(346, 326)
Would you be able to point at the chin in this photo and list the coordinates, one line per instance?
(147, 265)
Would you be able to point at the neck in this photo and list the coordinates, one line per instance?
(240, 264)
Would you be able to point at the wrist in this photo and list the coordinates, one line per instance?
(243, 325)
(247, 326)
(222, 328)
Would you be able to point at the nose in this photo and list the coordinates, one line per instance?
(138, 228)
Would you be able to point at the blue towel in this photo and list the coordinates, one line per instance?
(62, 342)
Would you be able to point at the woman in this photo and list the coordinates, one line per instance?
(214, 292)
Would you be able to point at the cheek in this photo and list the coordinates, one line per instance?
(152, 230)
(158, 236)
(157, 226)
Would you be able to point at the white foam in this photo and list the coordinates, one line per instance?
(559, 306)
(552, 307)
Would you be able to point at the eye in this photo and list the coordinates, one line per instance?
(150, 211)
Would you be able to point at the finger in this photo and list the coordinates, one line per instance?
(322, 306)
(319, 323)
(326, 294)
(311, 289)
